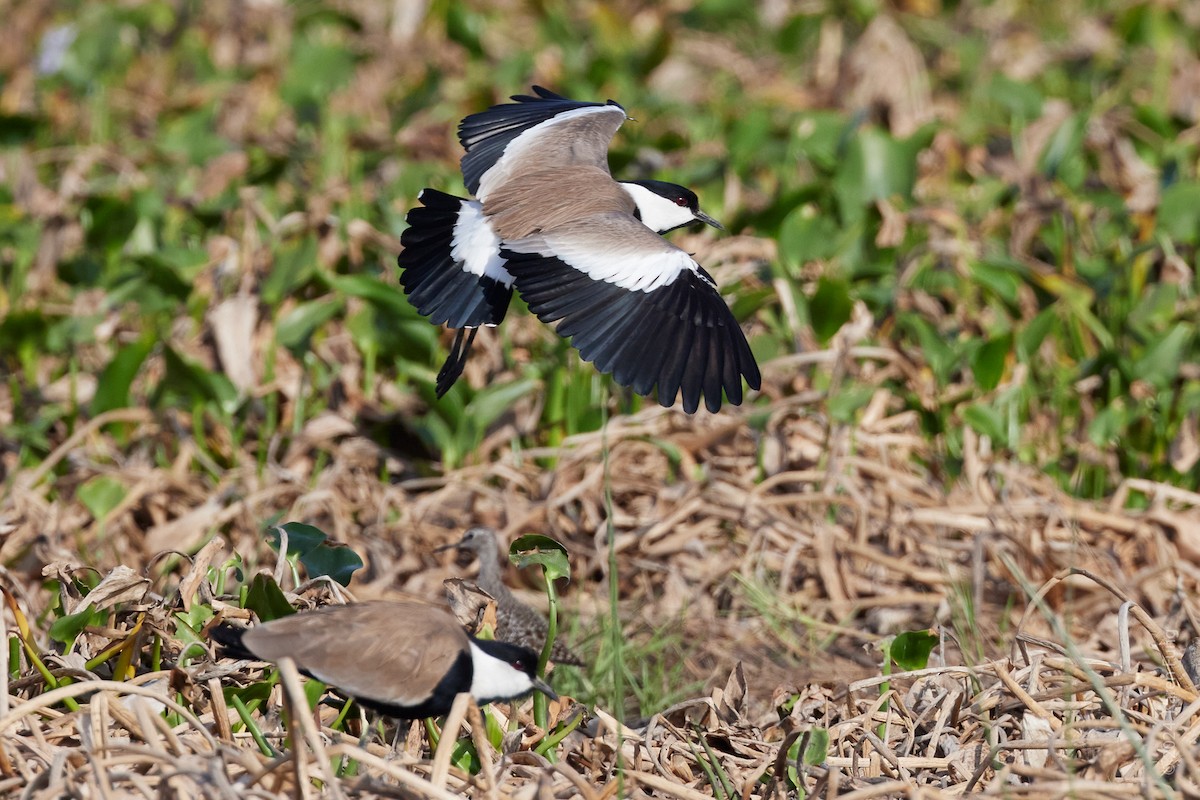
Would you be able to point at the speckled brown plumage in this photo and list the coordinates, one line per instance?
(515, 621)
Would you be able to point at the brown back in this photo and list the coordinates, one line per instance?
(392, 651)
(551, 198)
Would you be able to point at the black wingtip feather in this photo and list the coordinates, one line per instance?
(679, 339)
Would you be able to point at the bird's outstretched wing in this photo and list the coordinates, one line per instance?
(637, 307)
(535, 133)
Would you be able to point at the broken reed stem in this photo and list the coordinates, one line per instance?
(449, 740)
(301, 717)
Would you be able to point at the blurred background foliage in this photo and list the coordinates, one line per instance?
(201, 202)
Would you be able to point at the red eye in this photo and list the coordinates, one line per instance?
(518, 666)
(681, 201)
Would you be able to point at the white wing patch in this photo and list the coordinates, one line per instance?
(629, 267)
(511, 161)
(476, 246)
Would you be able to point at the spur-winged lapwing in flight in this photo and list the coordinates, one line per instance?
(583, 250)
(515, 621)
(407, 660)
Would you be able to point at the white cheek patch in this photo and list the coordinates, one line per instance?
(657, 212)
(495, 679)
(475, 245)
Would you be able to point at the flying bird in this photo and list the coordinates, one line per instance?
(584, 251)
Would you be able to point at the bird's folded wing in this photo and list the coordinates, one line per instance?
(535, 133)
(637, 307)
(383, 652)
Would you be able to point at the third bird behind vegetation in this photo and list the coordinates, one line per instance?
(515, 621)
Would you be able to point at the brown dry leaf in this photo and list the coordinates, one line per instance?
(887, 72)
(233, 321)
(1185, 447)
(474, 608)
(121, 585)
(184, 533)
(219, 173)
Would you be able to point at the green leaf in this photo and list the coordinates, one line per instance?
(321, 556)
(806, 235)
(313, 691)
(187, 382)
(1160, 364)
(830, 307)
(1179, 212)
(987, 421)
(295, 264)
(112, 388)
(66, 629)
(302, 538)
(266, 599)
(910, 650)
(101, 494)
(314, 70)
(820, 136)
(534, 548)
(876, 167)
(334, 560)
(816, 751)
(296, 328)
(989, 361)
(845, 403)
(1022, 100)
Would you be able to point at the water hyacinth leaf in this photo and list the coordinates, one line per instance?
(910, 650)
(321, 556)
(534, 548)
(301, 538)
(101, 494)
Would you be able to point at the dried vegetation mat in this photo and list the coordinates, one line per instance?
(782, 550)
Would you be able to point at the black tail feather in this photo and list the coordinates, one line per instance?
(457, 359)
(229, 637)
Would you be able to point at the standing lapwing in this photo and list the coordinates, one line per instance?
(583, 250)
(407, 660)
(515, 621)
